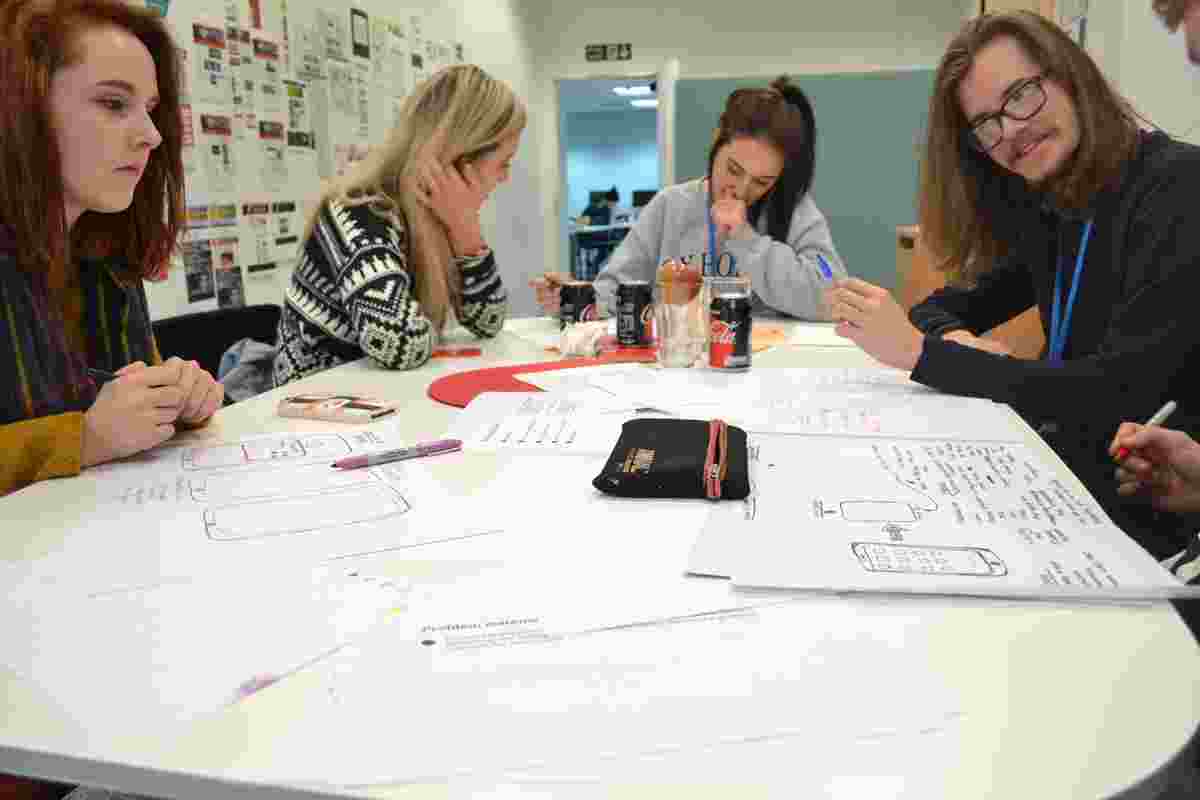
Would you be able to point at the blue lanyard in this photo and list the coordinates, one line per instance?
(712, 236)
(1060, 322)
(725, 264)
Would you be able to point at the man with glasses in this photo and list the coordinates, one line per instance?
(1039, 188)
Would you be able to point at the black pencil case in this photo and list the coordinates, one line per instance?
(677, 458)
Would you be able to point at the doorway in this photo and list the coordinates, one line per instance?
(608, 164)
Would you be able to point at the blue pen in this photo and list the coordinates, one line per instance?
(825, 270)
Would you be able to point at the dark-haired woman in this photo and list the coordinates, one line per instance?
(754, 202)
(1039, 185)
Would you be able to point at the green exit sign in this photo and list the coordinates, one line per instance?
(608, 52)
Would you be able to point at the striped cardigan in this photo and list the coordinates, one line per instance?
(43, 381)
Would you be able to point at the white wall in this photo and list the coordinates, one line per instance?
(714, 38)
(1152, 70)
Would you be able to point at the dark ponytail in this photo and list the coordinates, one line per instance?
(783, 116)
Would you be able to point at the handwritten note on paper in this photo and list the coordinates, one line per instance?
(886, 514)
(549, 422)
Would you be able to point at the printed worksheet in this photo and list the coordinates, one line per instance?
(198, 509)
(935, 515)
(522, 672)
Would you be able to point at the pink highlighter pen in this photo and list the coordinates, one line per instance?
(403, 454)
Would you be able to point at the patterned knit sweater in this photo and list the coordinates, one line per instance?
(352, 295)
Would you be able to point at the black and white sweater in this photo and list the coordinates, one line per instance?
(352, 295)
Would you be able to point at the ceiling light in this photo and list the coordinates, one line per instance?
(633, 91)
(651, 103)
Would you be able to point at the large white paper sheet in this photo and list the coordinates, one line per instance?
(146, 658)
(940, 515)
(186, 511)
(681, 388)
(500, 688)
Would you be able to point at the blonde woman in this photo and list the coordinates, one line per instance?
(395, 247)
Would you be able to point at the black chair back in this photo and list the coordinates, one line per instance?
(204, 336)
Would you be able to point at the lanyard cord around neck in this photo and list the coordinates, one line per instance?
(712, 235)
(1060, 321)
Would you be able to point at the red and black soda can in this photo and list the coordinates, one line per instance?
(576, 303)
(635, 305)
(729, 332)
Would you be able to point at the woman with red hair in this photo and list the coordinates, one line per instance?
(91, 203)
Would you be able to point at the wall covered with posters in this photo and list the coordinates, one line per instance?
(282, 94)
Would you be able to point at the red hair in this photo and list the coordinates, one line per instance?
(38, 38)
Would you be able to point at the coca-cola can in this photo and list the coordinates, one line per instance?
(576, 303)
(729, 332)
(635, 307)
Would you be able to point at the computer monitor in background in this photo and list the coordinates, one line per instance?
(642, 196)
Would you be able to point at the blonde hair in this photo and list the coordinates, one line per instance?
(970, 209)
(457, 116)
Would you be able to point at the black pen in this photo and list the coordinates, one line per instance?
(101, 375)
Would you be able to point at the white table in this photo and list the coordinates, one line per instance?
(1083, 702)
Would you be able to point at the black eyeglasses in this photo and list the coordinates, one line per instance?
(1024, 101)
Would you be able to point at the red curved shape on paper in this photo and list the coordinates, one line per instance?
(460, 388)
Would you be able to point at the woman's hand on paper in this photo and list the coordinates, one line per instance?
(870, 317)
(547, 289)
(1163, 465)
(201, 392)
(132, 413)
(968, 339)
(455, 197)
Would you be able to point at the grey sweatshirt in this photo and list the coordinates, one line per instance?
(785, 277)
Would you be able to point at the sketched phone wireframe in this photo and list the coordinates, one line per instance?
(316, 511)
(266, 451)
(923, 559)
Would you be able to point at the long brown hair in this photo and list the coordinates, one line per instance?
(972, 210)
(38, 38)
(780, 115)
(458, 115)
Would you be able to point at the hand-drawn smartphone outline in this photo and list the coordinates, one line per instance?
(287, 447)
(367, 502)
(990, 563)
(232, 488)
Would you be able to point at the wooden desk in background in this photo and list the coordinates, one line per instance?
(916, 279)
